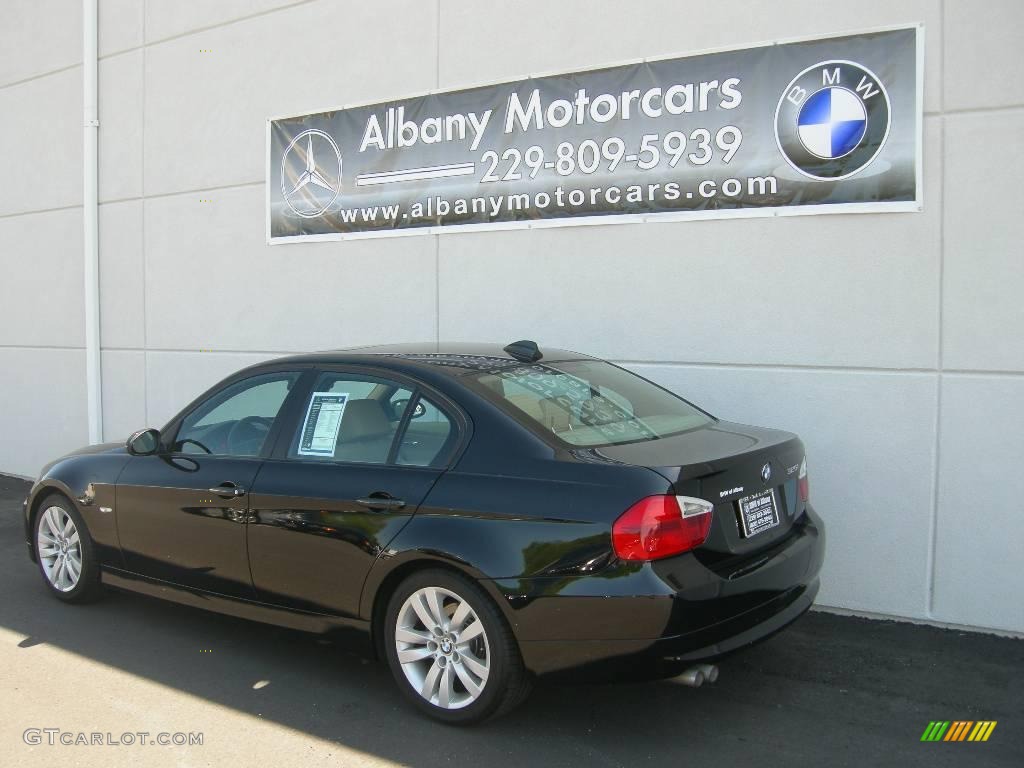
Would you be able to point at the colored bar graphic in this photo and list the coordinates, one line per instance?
(935, 730)
(982, 730)
(958, 730)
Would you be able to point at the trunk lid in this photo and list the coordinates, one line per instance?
(726, 464)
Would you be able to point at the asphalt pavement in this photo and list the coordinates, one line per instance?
(829, 691)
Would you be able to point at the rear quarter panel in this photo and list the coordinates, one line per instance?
(554, 521)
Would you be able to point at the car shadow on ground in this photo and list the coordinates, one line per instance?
(830, 690)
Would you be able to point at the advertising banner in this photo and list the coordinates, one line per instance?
(813, 126)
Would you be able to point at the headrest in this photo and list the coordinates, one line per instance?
(362, 418)
(554, 415)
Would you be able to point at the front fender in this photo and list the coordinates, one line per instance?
(89, 481)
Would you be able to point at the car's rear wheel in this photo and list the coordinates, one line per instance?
(450, 649)
(65, 551)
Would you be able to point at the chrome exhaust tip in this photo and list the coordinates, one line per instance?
(710, 672)
(693, 677)
(699, 674)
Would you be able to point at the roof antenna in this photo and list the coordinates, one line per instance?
(524, 350)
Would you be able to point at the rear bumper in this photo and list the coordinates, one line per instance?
(657, 617)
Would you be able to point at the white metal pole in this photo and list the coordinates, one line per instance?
(90, 216)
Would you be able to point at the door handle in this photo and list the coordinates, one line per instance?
(381, 501)
(228, 489)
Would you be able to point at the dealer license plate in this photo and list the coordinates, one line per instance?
(758, 513)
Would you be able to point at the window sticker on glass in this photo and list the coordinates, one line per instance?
(323, 420)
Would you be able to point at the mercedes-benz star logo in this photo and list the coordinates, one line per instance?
(311, 173)
(766, 472)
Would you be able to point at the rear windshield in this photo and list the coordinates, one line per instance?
(589, 403)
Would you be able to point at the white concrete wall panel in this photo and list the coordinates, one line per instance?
(41, 132)
(47, 390)
(171, 18)
(983, 279)
(849, 290)
(213, 283)
(120, 25)
(41, 301)
(580, 34)
(120, 135)
(870, 440)
(206, 112)
(978, 578)
(982, 53)
(39, 36)
(124, 393)
(122, 288)
(673, 291)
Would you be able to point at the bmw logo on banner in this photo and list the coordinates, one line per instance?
(832, 120)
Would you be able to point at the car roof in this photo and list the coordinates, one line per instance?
(452, 358)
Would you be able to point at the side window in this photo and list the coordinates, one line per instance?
(427, 436)
(349, 418)
(237, 420)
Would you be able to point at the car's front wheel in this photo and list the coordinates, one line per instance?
(451, 651)
(65, 551)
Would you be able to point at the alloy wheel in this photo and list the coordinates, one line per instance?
(443, 648)
(60, 549)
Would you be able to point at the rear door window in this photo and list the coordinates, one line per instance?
(350, 418)
(427, 437)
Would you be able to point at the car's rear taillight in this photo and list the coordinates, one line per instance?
(661, 526)
(801, 481)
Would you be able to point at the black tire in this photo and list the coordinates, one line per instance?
(88, 587)
(508, 683)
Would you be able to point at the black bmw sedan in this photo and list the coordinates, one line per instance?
(482, 514)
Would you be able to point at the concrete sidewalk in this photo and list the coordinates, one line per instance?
(830, 691)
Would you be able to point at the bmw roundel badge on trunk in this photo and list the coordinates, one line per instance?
(832, 120)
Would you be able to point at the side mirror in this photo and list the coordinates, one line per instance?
(145, 442)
